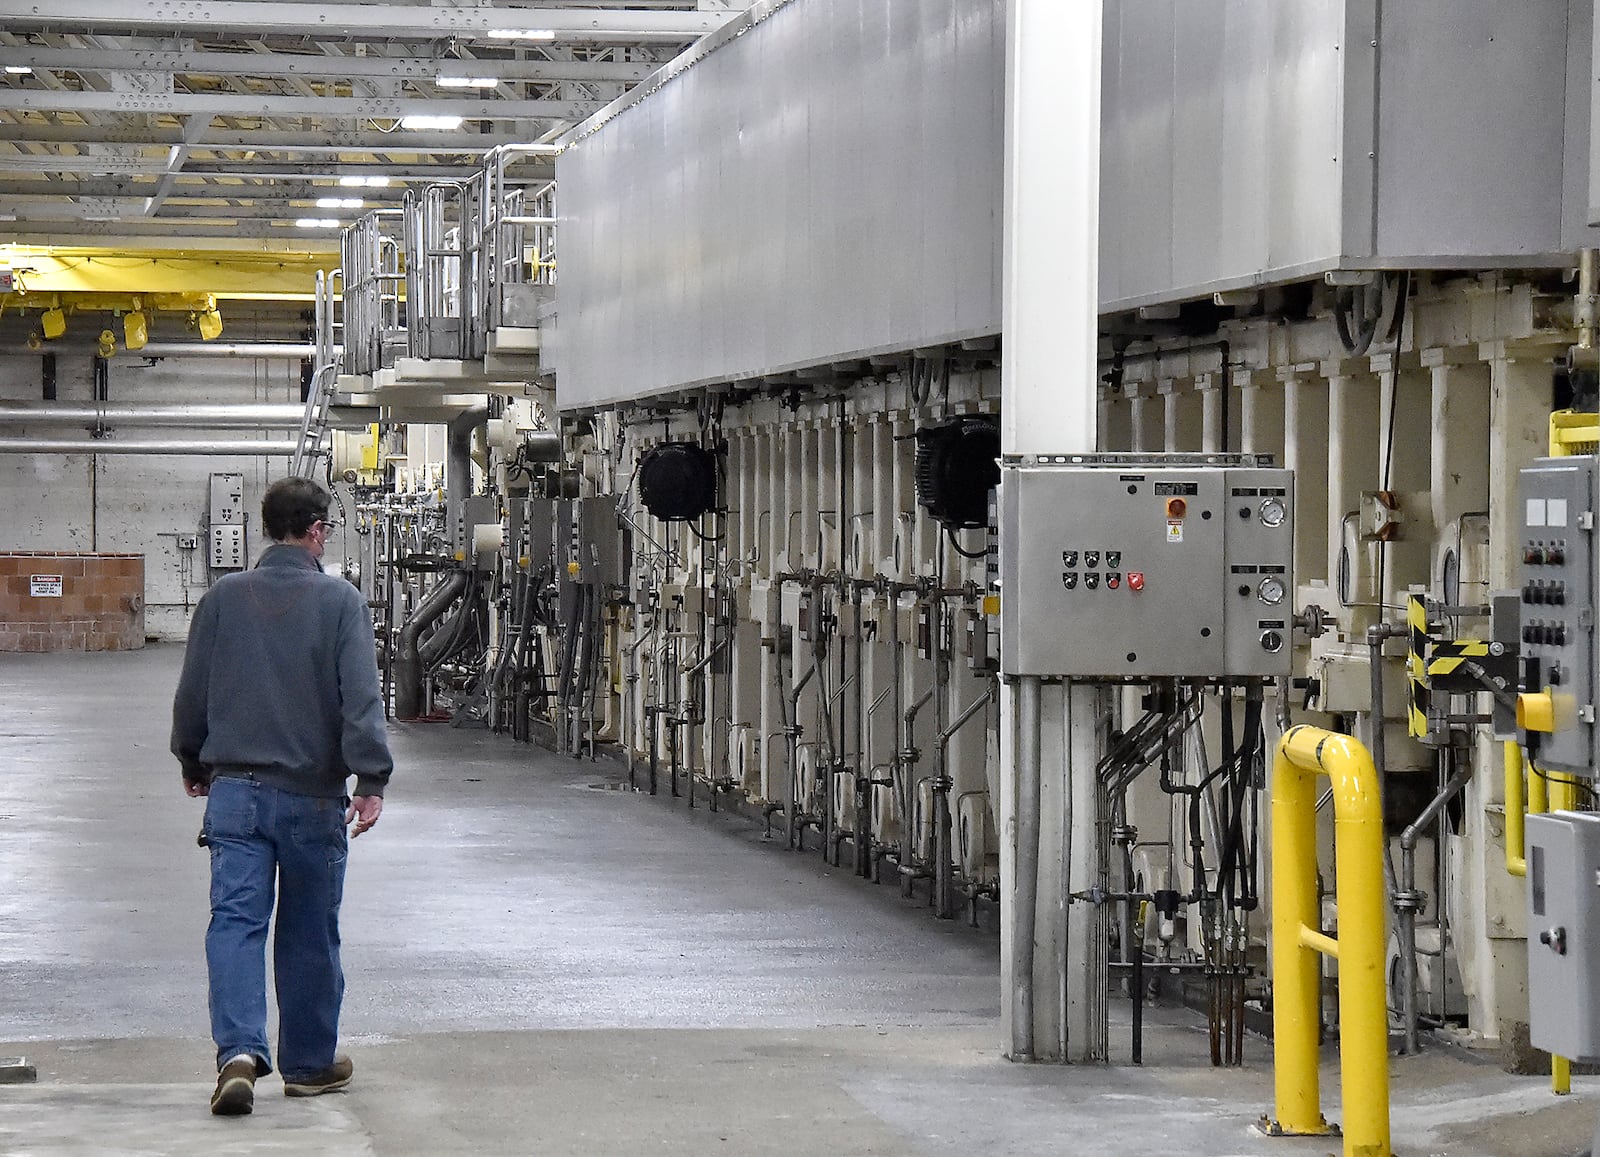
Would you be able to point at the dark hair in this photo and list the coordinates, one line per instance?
(291, 505)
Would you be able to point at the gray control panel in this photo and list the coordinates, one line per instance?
(1116, 566)
(227, 522)
(1557, 608)
(1564, 934)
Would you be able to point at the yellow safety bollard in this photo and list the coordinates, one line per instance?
(1297, 939)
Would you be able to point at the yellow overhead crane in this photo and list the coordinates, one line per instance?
(56, 282)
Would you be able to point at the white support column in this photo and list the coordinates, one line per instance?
(1491, 926)
(1051, 321)
(1305, 451)
(1353, 465)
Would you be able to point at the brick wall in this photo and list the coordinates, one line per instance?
(101, 606)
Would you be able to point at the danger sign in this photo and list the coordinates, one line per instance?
(44, 586)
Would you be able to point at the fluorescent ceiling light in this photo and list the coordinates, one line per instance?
(18, 70)
(467, 81)
(316, 223)
(521, 34)
(339, 202)
(428, 121)
(364, 182)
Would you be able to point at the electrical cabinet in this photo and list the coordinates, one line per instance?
(589, 544)
(1129, 566)
(1564, 934)
(227, 522)
(1557, 605)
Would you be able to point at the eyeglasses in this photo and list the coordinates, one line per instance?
(327, 524)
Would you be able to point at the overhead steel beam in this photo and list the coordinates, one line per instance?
(382, 21)
(46, 230)
(263, 204)
(310, 140)
(323, 67)
(191, 187)
(274, 105)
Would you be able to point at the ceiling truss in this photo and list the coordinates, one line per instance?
(113, 127)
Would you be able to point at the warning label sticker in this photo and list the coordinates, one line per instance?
(44, 586)
(1174, 530)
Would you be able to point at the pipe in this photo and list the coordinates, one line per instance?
(248, 417)
(1025, 820)
(1516, 840)
(944, 868)
(793, 733)
(408, 663)
(238, 447)
(1408, 900)
(458, 470)
(1297, 938)
(1587, 307)
(211, 349)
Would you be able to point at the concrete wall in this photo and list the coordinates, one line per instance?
(135, 503)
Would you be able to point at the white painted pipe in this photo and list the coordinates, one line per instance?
(246, 416)
(240, 447)
(215, 349)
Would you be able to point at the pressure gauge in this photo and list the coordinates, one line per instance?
(1273, 512)
(1271, 590)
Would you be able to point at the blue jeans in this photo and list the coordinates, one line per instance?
(258, 836)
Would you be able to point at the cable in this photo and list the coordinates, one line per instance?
(981, 552)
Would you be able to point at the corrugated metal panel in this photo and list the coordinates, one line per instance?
(825, 186)
(1252, 141)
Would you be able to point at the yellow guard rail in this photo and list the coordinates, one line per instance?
(1297, 938)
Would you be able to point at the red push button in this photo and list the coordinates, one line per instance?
(1177, 508)
(1136, 580)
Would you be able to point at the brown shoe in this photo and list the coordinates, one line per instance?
(330, 1080)
(236, 1087)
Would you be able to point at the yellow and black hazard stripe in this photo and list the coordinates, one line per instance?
(1445, 659)
(1417, 667)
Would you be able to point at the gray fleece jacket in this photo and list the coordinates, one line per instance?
(280, 681)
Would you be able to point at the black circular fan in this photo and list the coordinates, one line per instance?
(957, 466)
(678, 481)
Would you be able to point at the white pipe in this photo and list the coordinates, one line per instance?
(1024, 892)
(238, 447)
(247, 416)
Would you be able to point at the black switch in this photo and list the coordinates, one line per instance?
(1091, 580)
(1091, 558)
(1069, 579)
(1069, 559)
(1114, 559)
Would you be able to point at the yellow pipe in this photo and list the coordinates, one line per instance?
(1363, 998)
(1516, 844)
(1319, 941)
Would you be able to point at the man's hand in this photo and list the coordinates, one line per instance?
(196, 787)
(364, 811)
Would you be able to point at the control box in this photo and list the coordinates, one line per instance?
(1564, 934)
(1557, 605)
(589, 543)
(227, 522)
(1119, 566)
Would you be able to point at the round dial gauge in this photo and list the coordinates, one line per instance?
(1271, 590)
(1273, 512)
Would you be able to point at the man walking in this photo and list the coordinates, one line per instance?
(278, 705)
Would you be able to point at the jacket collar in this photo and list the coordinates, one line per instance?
(283, 554)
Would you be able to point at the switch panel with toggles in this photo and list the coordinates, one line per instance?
(1556, 597)
(1126, 566)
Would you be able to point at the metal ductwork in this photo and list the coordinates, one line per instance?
(238, 447)
(408, 662)
(246, 416)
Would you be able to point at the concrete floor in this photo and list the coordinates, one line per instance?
(538, 964)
